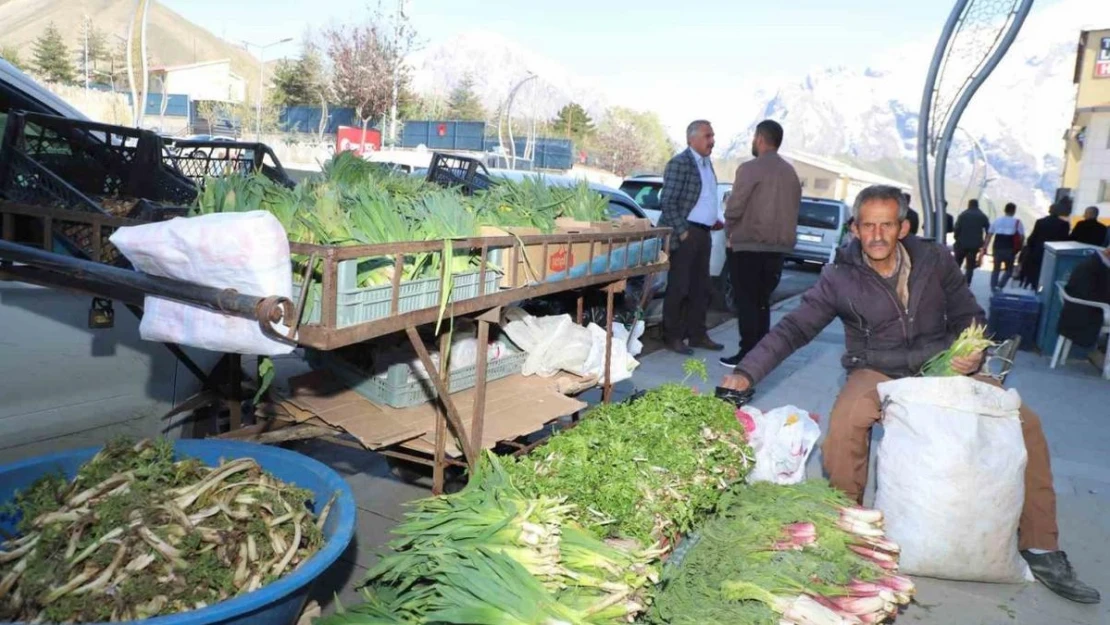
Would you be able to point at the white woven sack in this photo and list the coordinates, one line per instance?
(951, 477)
(248, 252)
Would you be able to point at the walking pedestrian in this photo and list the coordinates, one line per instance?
(1089, 230)
(689, 207)
(1007, 234)
(971, 230)
(912, 216)
(762, 221)
(1053, 227)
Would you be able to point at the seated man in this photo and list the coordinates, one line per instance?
(902, 301)
(1089, 281)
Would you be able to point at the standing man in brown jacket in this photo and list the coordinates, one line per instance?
(762, 221)
(902, 301)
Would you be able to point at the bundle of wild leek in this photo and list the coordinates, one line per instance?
(785, 555)
(972, 340)
(488, 555)
(648, 470)
(137, 534)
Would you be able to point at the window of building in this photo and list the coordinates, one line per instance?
(1104, 191)
(822, 184)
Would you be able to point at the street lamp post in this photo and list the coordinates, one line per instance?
(262, 81)
(509, 117)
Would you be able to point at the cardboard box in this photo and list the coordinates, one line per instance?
(515, 406)
(531, 264)
(566, 224)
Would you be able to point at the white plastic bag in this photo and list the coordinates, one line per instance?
(556, 343)
(782, 440)
(248, 252)
(951, 473)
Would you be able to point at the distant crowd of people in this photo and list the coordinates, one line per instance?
(1006, 240)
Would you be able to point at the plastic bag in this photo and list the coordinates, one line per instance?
(556, 343)
(782, 440)
(248, 252)
(951, 473)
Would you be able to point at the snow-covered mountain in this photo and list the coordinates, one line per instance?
(495, 64)
(864, 114)
(1019, 116)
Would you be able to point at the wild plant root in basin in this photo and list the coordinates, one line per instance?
(137, 534)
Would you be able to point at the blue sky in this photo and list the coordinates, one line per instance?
(663, 34)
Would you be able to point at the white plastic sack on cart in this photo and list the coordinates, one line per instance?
(248, 252)
(782, 440)
(555, 343)
(951, 477)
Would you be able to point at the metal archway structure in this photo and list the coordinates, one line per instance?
(976, 36)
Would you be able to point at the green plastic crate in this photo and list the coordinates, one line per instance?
(356, 304)
(396, 390)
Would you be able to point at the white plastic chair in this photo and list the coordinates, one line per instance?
(1063, 345)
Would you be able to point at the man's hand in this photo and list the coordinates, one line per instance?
(720, 225)
(967, 365)
(736, 382)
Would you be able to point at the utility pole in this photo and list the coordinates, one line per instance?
(262, 82)
(401, 14)
(86, 56)
(509, 117)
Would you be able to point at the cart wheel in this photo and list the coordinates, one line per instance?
(407, 472)
(454, 483)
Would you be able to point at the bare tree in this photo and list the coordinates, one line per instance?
(364, 61)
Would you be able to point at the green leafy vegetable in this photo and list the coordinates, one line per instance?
(647, 470)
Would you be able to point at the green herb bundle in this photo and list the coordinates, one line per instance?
(971, 341)
(490, 555)
(647, 470)
(774, 553)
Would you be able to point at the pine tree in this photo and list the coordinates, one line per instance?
(51, 57)
(463, 104)
(573, 122)
(11, 54)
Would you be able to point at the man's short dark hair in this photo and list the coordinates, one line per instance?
(973, 203)
(881, 192)
(1093, 210)
(1011, 208)
(906, 196)
(771, 132)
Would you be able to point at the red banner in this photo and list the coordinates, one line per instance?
(351, 139)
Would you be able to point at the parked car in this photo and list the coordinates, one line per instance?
(646, 189)
(821, 227)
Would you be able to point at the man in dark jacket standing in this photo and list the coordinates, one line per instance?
(902, 301)
(762, 221)
(689, 207)
(971, 231)
(1089, 230)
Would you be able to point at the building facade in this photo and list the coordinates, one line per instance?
(1086, 178)
(211, 80)
(831, 179)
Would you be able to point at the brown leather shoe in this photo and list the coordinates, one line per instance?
(678, 347)
(706, 343)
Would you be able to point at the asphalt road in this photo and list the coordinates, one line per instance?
(795, 279)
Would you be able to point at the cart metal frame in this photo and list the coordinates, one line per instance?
(28, 264)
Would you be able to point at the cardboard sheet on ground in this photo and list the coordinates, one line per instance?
(515, 405)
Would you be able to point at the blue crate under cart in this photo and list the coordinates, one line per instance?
(1014, 314)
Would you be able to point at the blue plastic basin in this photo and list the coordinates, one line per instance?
(279, 603)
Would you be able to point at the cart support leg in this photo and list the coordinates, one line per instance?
(607, 390)
(235, 392)
(444, 397)
(439, 455)
(581, 316)
(477, 422)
